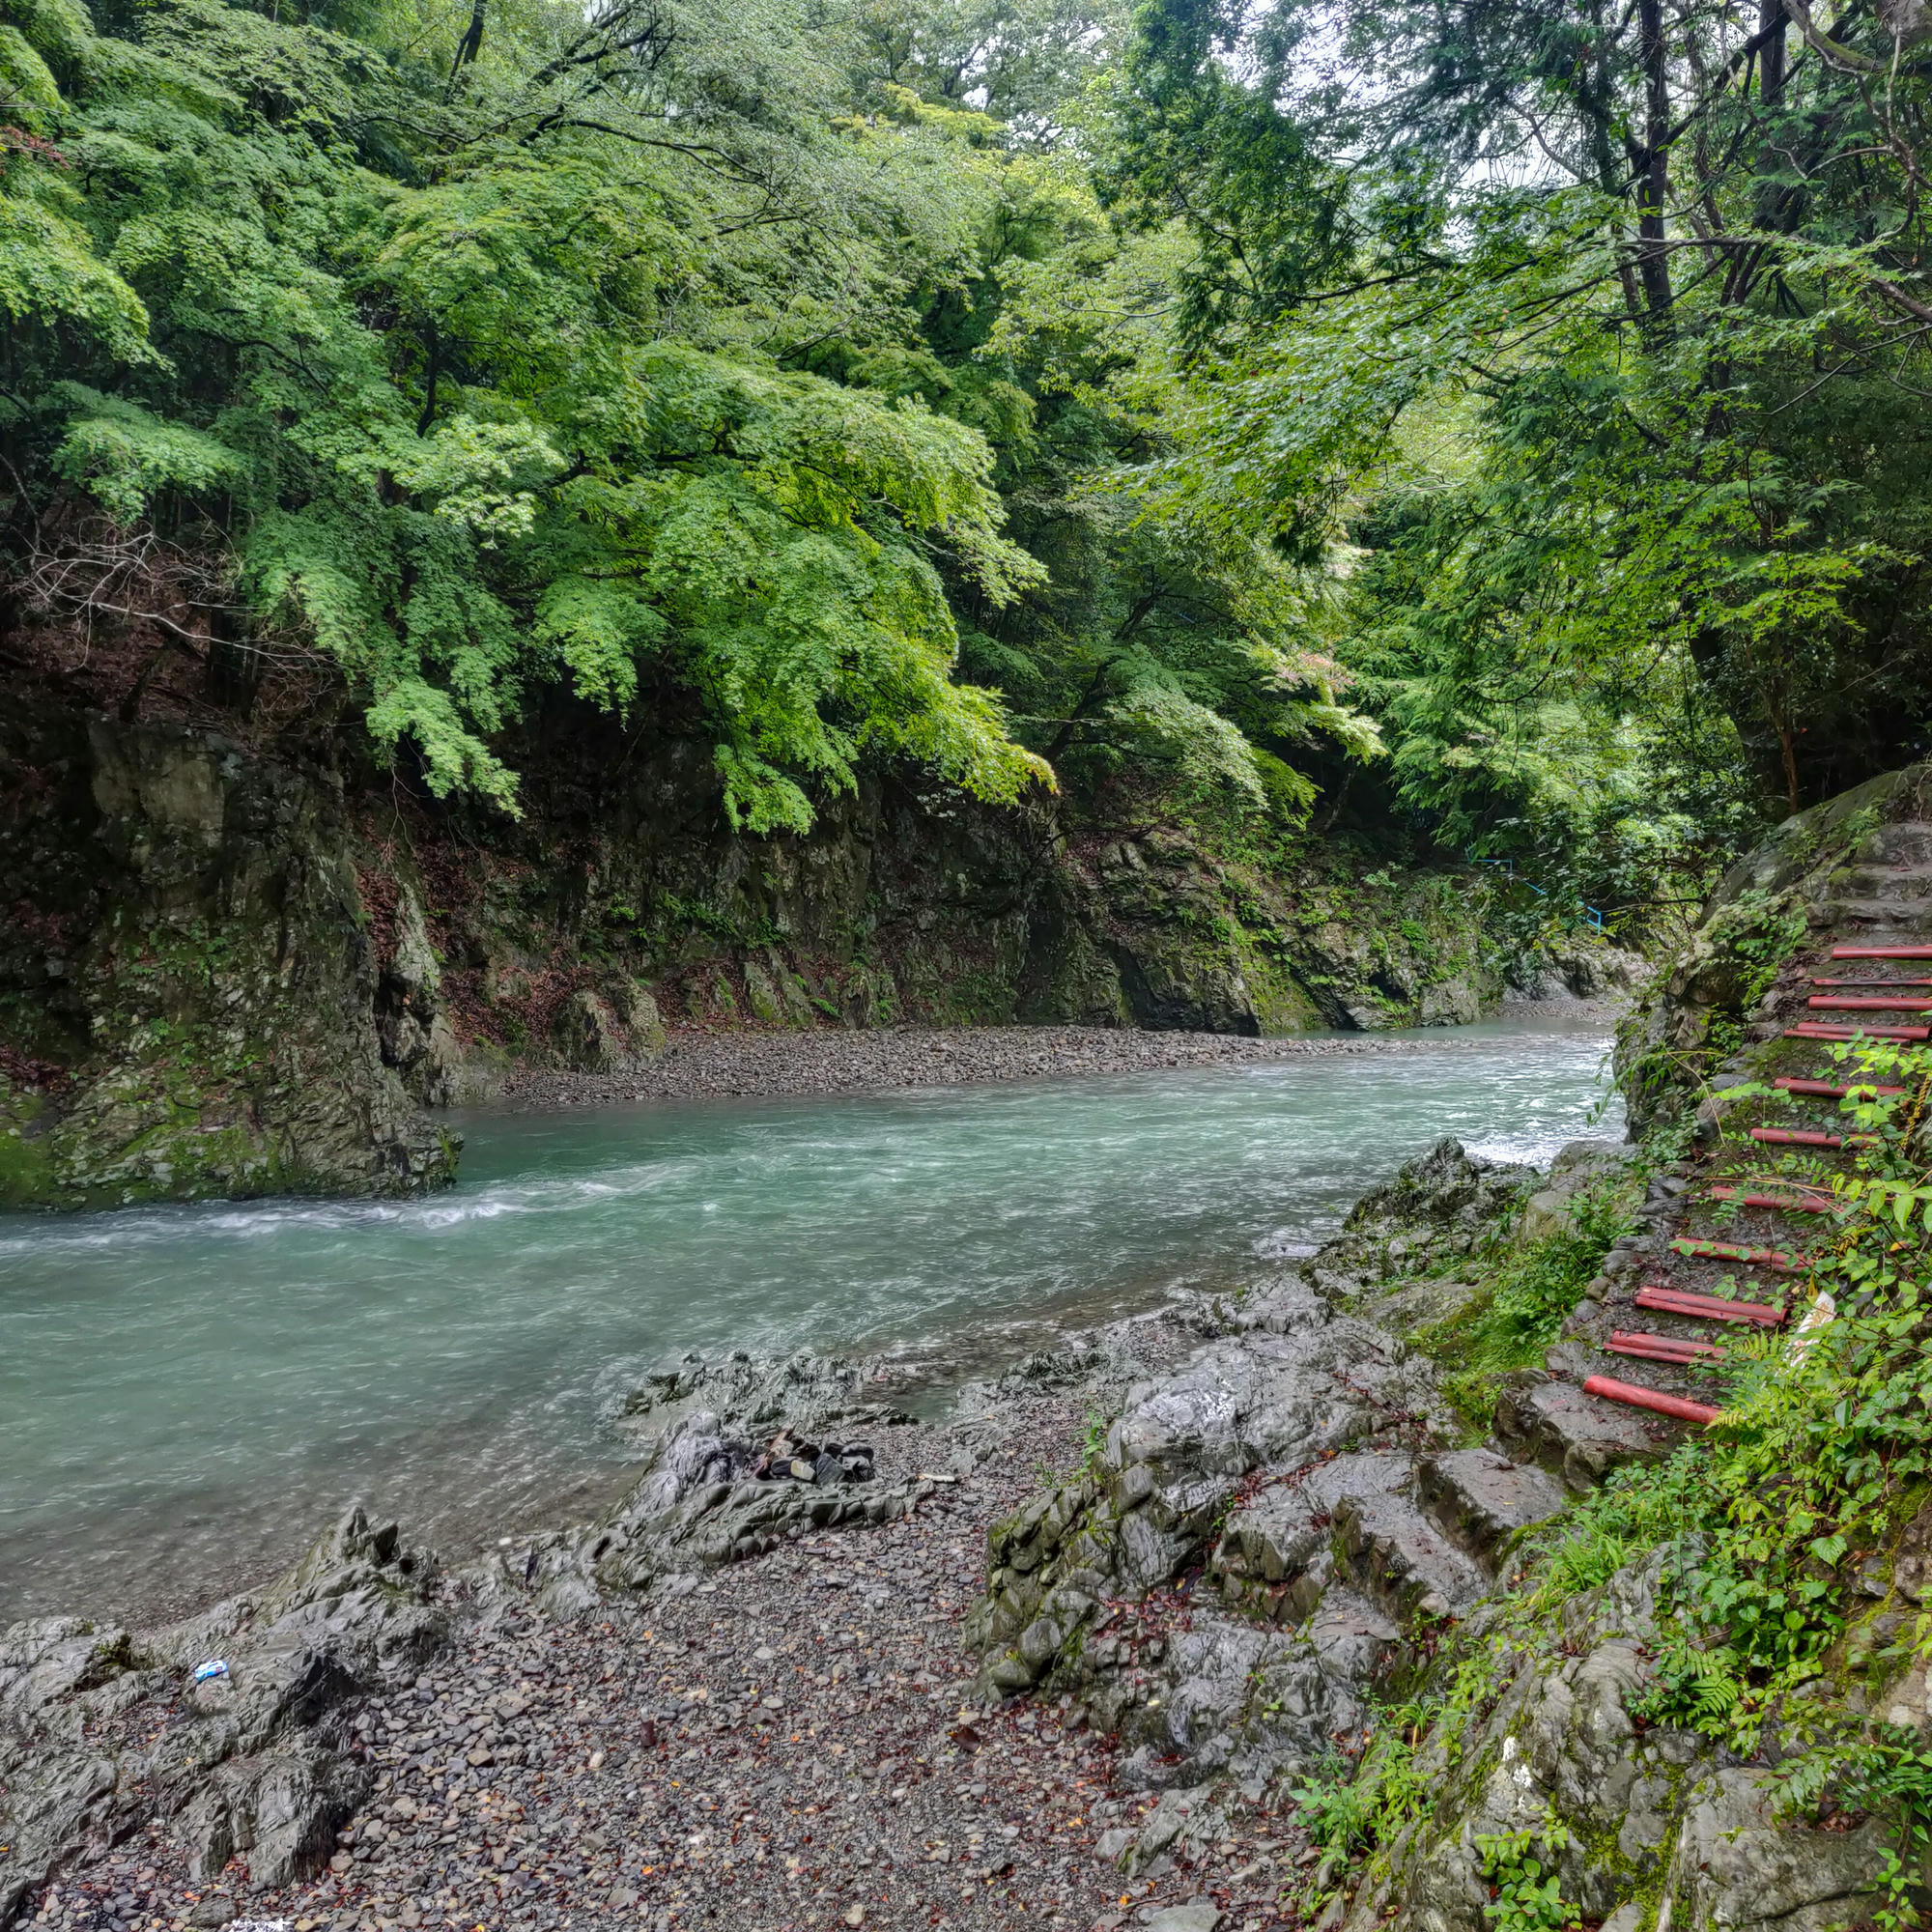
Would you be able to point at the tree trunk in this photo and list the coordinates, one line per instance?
(1654, 183)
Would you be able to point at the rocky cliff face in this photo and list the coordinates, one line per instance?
(221, 975)
(187, 981)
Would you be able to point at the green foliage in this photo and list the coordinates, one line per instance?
(1529, 1293)
(418, 398)
(1763, 932)
(1587, 358)
(1353, 1808)
(737, 365)
(1357, 1810)
(1527, 1888)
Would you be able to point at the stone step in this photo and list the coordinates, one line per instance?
(1553, 1424)
(1904, 1002)
(1701, 1247)
(1824, 1090)
(1649, 1346)
(1906, 883)
(1893, 983)
(1792, 1201)
(1875, 911)
(1809, 1137)
(1667, 1298)
(1390, 1551)
(1578, 1361)
(1481, 1500)
(1814, 1030)
(1353, 1639)
(1274, 1557)
(1907, 841)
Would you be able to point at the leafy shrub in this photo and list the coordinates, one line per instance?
(1528, 1893)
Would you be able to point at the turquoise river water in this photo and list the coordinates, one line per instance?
(187, 1394)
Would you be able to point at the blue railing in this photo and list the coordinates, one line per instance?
(1475, 858)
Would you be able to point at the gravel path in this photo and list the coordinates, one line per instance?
(783, 1747)
(746, 1060)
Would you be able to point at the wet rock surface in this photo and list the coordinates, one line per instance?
(1262, 1507)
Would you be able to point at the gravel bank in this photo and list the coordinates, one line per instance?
(777, 1060)
(746, 1061)
(783, 1747)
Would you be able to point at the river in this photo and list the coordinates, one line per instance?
(187, 1394)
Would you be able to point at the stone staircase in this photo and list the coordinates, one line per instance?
(1279, 1508)
(1871, 930)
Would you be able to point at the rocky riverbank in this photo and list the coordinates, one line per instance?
(1086, 1653)
(697, 1065)
(741, 1699)
(743, 1710)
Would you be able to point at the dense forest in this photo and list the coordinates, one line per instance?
(1516, 411)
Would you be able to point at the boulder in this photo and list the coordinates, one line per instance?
(585, 1037)
(763, 994)
(1578, 1169)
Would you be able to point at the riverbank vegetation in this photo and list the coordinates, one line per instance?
(1527, 1291)
(1773, 1562)
(1505, 428)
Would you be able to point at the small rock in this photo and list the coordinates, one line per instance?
(1196, 1915)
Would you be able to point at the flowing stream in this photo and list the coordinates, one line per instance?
(189, 1394)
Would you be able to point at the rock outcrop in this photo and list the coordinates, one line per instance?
(189, 982)
(1644, 1825)
(1271, 1531)
(740, 1456)
(236, 1727)
(1291, 1528)
(1153, 930)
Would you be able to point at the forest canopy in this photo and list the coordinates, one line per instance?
(1516, 409)
(480, 350)
(1599, 332)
